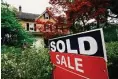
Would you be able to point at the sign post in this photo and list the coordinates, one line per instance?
(79, 56)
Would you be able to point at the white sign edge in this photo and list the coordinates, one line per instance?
(103, 44)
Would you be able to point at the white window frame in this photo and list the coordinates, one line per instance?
(31, 27)
(46, 16)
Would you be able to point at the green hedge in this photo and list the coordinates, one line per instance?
(112, 53)
(111, 33)
(35, 64)
(25, 64)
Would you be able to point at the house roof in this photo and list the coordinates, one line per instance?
(27, 16)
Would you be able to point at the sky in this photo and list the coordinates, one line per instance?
(30, 6)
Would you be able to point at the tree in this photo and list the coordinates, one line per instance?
(12, 32)
(82, 11)
(50, 29)
(75, 14)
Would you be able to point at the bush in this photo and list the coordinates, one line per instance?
(27, 64)
(112, 53)
(111, 33)
(35, 64)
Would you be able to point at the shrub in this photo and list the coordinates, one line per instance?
(111, 33)
(28, 64)
(112, 53)
(35, 64)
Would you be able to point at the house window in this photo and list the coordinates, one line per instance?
(31, 27)
(46, 16)
(27, 26)
(48, 28)
(34, 27)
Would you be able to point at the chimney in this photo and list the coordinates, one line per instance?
(20, 9)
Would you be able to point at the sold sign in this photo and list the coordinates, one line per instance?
(86, 43)
(79, 56)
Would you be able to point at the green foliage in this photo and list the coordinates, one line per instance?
(111, 33)
(112, 53)
(8, 16)
(11, 30)
(12, 49)
(27, 64)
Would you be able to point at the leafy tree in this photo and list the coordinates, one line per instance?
(11, 30)
(75, 14)
(81, 11)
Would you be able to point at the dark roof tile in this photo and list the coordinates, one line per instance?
(27, 16)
